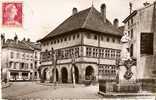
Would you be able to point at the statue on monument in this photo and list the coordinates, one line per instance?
(127, 61)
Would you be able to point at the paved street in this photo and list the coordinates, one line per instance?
(34, 90)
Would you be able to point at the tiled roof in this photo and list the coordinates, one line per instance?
(90, 19)
(21, 45)
(16, 44)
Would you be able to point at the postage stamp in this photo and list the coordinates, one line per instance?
(12, 14)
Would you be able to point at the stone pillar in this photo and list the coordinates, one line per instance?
(29, 76)
(20, 75)
(69, 73)
(59, 76)
(81, 73)
(8, 75)
(51, 75)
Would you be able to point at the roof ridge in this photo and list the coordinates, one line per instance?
(91, 8)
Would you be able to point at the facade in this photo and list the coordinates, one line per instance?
(141, 26)
(88, 37)
(20, 60)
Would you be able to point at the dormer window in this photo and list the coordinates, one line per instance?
(73, 37)
(113, 40)
(107, 39)
(65, 39)
(58, 41)
(77, 35)
(95, 37)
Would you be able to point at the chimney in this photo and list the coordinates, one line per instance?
(28, 40)
(74, 11)
(103, 12)
(24, 39)
(16, 38)
(116, 22)
(2, 38)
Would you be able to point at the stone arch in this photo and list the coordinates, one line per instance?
(45, 73)
(76, 73)
(64, 75)
(89, 73)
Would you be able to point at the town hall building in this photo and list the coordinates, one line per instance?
(90, 39)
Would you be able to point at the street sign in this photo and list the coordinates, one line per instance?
(146, 44)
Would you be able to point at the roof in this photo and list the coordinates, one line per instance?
(90, 19)
(16, 44)
(25, 45)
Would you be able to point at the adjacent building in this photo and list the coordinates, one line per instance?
(20, 59)
(88, 37)
(141, 26)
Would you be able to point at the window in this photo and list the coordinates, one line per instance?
(73, 37)
(15, 65)
(95, 37)
(128, 24)
(131, 20)
(94, 52)
(65, 39)
(107, 39)
(113, 40)
(12, 55)
(88, 51)
(77, 35)
(131, 50)
(112, 54)
(58, 41)
(88, 36)
(17, 56)
(97, 52)
(55, 42)
(107, 53)
(31, 66)
(118, 54)
(131, 33)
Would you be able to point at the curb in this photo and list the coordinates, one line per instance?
(124, 94)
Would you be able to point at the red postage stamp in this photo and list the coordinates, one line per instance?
(12, 14)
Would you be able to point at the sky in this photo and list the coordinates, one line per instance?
(42, 16)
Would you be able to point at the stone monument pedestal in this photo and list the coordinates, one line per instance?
(128, 85)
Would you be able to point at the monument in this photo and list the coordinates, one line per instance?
(127, 72)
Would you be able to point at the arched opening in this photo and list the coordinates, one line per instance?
(76, 73)
(57, 77)
(89, 73)
(64, 75)
(45, 74)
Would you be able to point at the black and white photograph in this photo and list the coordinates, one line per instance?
(78, 50)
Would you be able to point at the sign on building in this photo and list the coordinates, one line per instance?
(146, 43)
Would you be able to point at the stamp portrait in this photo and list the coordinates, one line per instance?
(12, 14)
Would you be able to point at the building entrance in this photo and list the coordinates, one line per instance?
(64, 75)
